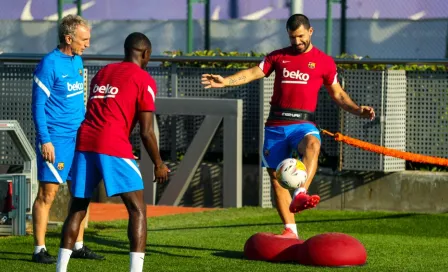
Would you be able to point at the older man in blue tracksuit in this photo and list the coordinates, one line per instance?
(58, 110)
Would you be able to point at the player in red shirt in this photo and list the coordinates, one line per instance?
(120, 95)
(300, 71)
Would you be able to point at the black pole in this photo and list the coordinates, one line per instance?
(343, 46)
(446, 53)
(207, 26)
(79, 7)
(233, 9)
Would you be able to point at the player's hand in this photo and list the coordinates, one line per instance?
(48, 154)
(367, 112)
(212, 81)
(161, 173)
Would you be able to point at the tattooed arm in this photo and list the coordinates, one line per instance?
(240, 78)
(346, 103)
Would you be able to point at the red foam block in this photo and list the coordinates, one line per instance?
(332, 249)
(270, 247)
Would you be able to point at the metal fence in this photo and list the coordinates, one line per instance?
(411, 108)
(176, 133)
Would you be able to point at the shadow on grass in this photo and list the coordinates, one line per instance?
(110, 241)
(229, 254)
(57, 234)
(148, 252)
(24, 257)
(28, 260)
(185, 247)
(158, 249)
(17, 253)
(392, 216)
(124, 246)
(101, 238)
(239, 255)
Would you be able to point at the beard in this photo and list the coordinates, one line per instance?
(301, 47)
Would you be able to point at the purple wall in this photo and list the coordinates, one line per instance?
(176, 9)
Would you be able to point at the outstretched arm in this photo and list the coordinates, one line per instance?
(240, 78)
(346, 103)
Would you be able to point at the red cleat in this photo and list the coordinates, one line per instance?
(287, 234)
(303, 201)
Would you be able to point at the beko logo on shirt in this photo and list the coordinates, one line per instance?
(108, 89)
(302, 77)
(102, 91)
(77, 86)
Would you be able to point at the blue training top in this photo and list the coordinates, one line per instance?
(58, 96)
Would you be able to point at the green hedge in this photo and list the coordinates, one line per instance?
(213, 53)
(382, 67)
(242, 65)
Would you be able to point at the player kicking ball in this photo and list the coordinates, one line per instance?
(120, 95)
(300, 70)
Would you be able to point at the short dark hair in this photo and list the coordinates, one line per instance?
(296, 21)
(136, 41)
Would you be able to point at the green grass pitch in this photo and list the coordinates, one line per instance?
(214, 241)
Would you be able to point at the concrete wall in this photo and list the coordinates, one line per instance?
(412, 191)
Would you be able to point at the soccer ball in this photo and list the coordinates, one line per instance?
(291, 173)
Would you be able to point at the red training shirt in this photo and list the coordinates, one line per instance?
(118, 92)
(298, 79)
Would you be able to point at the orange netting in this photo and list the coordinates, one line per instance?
(387, 151)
